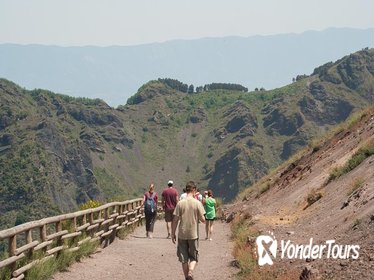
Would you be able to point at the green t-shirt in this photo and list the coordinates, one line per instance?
(210, 209)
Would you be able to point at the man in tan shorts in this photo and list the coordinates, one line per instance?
(187, 213)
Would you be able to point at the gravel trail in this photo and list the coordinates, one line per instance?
(138, 257)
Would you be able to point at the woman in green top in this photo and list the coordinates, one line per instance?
(210, 209)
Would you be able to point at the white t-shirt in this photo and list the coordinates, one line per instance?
(183, 196)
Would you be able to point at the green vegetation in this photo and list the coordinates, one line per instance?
(263, 189)
(244, 236)
(356, 223)
(90, 204)
(313, 197)
(123, 233)
(5, 274)
(38, 93)
(108, 183)
(175, 84)
(356, 185)
(244, 252)
(46, 269)
(24, 177)
(362, 154)
(223, 86)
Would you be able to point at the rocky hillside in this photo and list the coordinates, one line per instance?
(57, 152)
(325, 193)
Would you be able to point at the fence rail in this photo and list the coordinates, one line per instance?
(51, 235)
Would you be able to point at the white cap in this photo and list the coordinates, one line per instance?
(170, 182)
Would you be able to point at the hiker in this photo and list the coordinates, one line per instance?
(183, 195)
(205, 195)
(210, 214)
(170, 199)
(197, 194)
(150, 209)
(187, 213)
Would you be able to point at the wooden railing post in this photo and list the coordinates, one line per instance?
(12, 251)
(59, 241)
(28, 241)
(106, 213)
(91, 219)
(43, 233)
(74, 224)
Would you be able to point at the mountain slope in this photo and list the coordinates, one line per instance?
(57, 152)
(326, 193)
(114, 73)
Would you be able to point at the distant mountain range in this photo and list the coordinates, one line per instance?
(115, 73)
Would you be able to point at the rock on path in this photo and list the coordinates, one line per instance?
(138, 257)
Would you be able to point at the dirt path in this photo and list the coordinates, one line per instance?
(140, 258)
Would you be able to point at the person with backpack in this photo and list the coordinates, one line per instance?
(150, 209)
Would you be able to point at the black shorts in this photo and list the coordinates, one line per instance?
(169, 215)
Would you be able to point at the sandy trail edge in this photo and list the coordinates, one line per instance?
(137, 257)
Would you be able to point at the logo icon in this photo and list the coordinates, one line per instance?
(266, 247)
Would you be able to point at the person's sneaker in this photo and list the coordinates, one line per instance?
(169, 236)
(189, 277)
(210, 239)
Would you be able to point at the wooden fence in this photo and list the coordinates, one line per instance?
(50, 235)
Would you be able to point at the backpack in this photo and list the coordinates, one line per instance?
(150, 204)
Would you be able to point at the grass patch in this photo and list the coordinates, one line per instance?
(43, 270)
(123, 233)
(86, 249)
(312, 198)
(356, 184)
(356, 223)
(244, 236)
(362, 154)
(243, 252)
(46, 269)
(263, 189)
(219, 210)
(5, 273)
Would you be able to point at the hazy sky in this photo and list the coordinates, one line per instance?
(129, 22)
